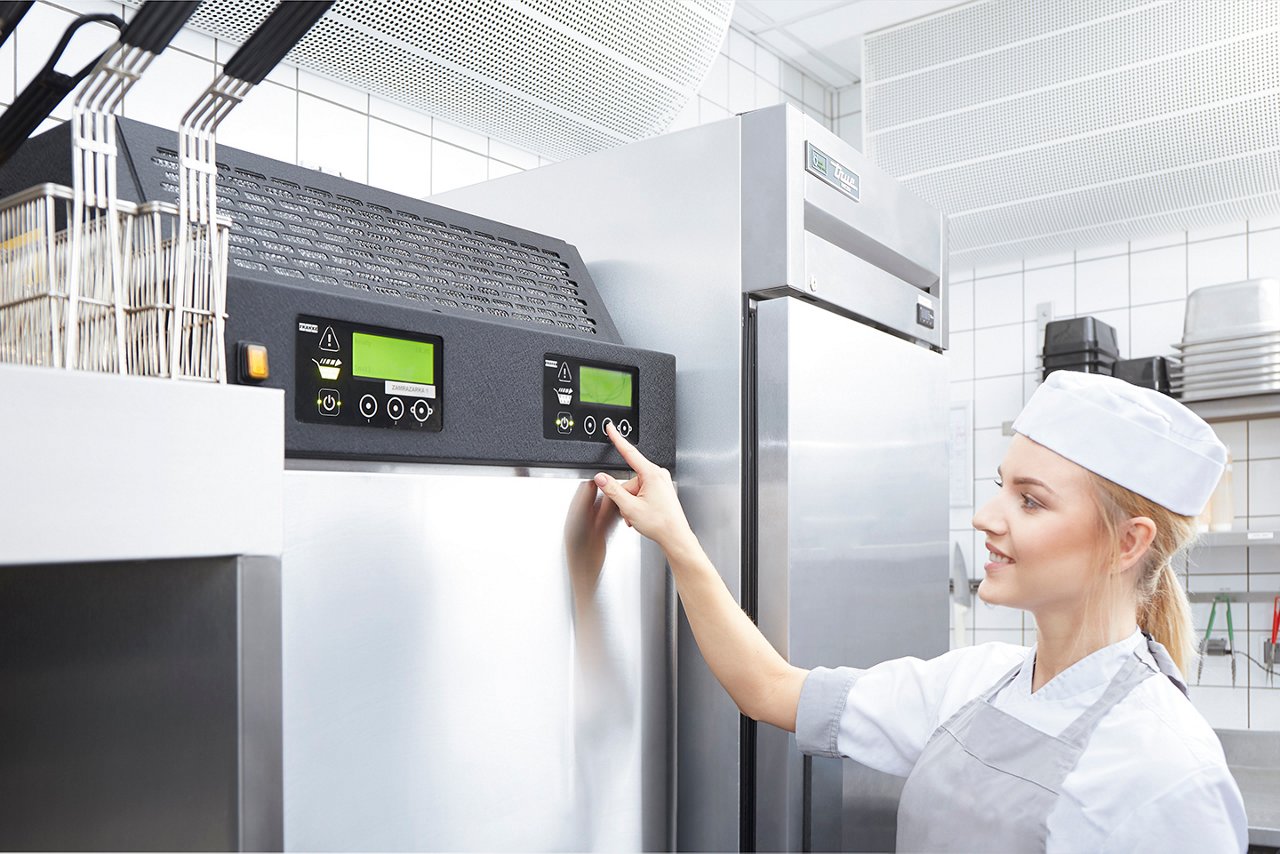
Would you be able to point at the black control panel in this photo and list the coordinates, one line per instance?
(368, 376)
(579, 397)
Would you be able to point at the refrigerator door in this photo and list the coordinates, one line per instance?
(465, 667)
(852, 533)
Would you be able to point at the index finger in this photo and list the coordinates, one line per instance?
(638, 461)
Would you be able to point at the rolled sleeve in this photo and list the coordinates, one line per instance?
(822, 702)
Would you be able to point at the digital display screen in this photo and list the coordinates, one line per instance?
(382, 358)
(608, 388)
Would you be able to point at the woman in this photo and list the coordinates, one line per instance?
(1086, 742)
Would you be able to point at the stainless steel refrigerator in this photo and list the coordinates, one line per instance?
(802, 292)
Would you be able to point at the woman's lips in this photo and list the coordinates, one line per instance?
(998, 559)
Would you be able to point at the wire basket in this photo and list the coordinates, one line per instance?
(36, 292)
(175, 313)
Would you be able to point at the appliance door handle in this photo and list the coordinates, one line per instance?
(275, 37)
(46, 90)
(156, 23)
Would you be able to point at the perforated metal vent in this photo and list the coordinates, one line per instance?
(556, 77)
(1050, 126)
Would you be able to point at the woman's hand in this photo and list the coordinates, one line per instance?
(648, 501)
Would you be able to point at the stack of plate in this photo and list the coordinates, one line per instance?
(1230, 342)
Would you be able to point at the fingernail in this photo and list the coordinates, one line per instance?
(601, 479)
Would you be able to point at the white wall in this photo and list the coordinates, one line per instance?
(1140, 288)
(302, 118)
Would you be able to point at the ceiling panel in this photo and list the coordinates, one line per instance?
(1050, 127)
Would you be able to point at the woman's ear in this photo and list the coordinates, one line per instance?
(1136, 536)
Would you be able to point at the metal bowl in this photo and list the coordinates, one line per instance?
(1216, 312)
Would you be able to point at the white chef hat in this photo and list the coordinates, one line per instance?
(1139, 438)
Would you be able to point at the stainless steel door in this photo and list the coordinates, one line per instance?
(466, 668)
(852, 541)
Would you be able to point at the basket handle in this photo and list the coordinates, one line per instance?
(11, 13)
(275, 37)
(46, 90)
(156, 23)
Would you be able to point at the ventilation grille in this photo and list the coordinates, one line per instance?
(1046, 127)
(310, 235)
(556, 77)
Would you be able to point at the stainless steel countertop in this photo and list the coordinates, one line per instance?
(1254, 759)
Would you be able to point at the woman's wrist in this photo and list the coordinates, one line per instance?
(681, 547)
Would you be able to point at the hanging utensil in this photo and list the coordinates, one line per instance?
(95, 303)
(178, 290)
(10, 14)
(46, 90)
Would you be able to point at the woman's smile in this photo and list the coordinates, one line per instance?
(996, 558)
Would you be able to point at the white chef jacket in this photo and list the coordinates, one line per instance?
(1152, 778)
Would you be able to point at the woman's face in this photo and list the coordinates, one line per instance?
(1043, 529)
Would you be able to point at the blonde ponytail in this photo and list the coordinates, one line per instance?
(1163, 609)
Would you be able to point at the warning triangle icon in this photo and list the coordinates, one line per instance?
(329, 341)
(565, 376)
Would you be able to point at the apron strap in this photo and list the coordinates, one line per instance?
(1165, 662)
(1132, 673)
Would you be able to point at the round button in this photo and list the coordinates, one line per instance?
(604, 426)
(421, 410)
(395, 408)
(368, 406)
(329, 401)
(624, 427)
(589, 424)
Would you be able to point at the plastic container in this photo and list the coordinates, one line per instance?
(1077, 358)
(1148, 372)
(1222, 312)
(1078, 334)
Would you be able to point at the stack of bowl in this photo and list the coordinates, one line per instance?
(1083, 344)
(1230, 342)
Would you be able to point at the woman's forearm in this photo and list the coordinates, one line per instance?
(761, 682)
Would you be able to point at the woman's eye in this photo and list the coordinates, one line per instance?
(1029, 502)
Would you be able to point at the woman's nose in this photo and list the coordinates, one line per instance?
(988, 518)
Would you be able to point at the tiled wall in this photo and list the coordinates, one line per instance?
(747, 76)
(1140, 288)
(302, 118)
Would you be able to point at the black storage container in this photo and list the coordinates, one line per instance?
(1087, 367)
(1147, 372)
(1080, 335)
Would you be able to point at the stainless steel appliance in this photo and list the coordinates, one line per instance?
(801, 290)
(463, 663)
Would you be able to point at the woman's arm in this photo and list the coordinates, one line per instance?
(762, 683)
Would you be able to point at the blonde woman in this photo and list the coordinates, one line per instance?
(1087, 741)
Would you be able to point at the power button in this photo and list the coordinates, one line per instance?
(329, 401)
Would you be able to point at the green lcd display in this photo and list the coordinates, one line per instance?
(609, 388)
(382, 358)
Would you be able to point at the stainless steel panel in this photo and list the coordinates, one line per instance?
(658, 223)
(852, 519)
(466, 667)
(784, 207)
(137, 706)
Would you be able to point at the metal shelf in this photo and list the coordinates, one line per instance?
(1265, 597)
(1223, 539)
(1232, 408)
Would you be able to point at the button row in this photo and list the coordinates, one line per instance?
(329, 402)
(564, 423)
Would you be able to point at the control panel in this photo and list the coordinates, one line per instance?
(580, 397)
(368, 376)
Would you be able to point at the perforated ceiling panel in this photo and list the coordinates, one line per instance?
(1042, 127)
(556, 77)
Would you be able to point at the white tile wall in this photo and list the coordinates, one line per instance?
(1141, 289)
